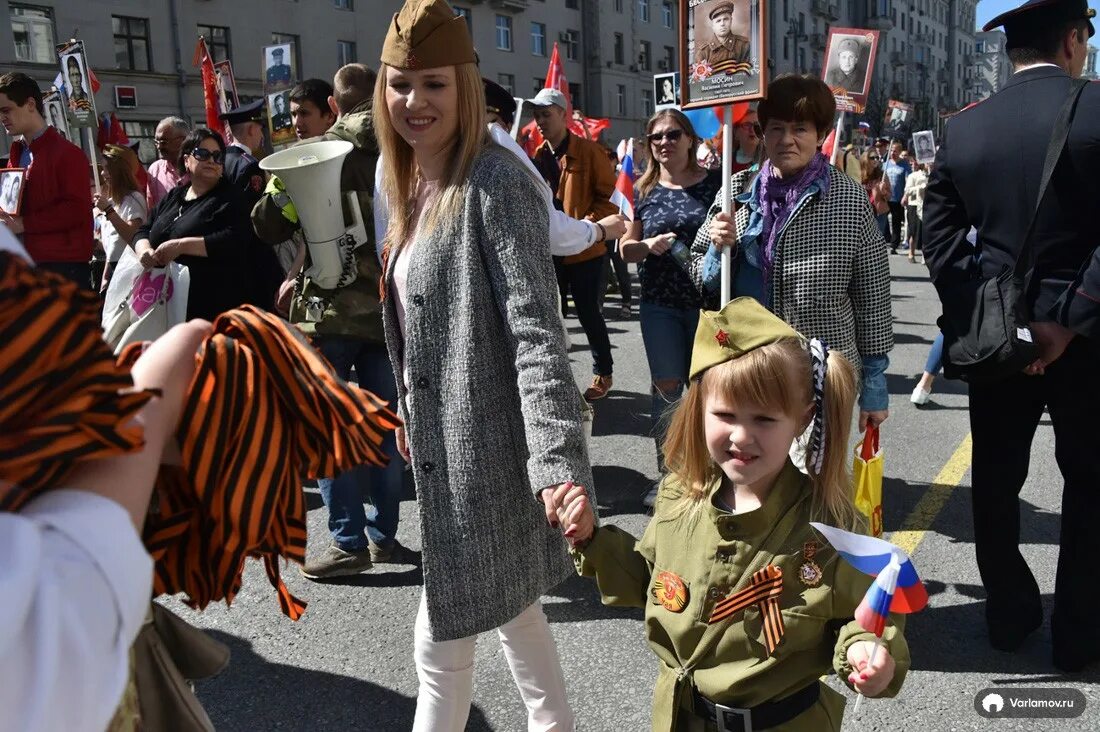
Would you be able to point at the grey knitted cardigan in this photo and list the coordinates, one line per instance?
(492, 413)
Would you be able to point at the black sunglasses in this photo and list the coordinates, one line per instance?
(670, 135)
(202, 155)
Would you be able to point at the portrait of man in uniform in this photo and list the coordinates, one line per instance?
(280, 111)
(55, 116)
(278, 74)
(721, 34)
(11, 185)
(76, 83)
(924, 145)
(847, 64)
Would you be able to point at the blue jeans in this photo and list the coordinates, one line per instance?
(350, 523)
(935, 356)
(668, 335)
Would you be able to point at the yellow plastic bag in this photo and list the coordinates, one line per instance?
(867, 473)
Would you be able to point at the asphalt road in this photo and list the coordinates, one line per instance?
(347, 664)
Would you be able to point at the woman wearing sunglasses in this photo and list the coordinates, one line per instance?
(673, 196)
(204, 226)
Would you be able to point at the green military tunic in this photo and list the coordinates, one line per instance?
(735, 48)
(716, 553)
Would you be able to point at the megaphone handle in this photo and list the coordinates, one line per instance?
(356, 211)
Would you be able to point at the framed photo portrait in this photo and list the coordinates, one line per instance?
(54, 107)
(78, 87)
(924, 147)
(898, 120)
(280, 123)
(666, 91)
(849, 65)
(278, 67)
(722, 52)
(11, 190)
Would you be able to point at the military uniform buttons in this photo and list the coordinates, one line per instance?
(715, 593)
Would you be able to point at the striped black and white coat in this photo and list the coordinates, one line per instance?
(831, 276)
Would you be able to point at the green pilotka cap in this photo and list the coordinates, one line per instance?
(741, 326)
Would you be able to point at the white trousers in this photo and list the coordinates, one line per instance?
(446, 673)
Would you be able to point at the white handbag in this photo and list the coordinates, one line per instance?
(154, 301)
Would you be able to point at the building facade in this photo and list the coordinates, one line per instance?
(610, 49)
(993, 67)
(1091, 70)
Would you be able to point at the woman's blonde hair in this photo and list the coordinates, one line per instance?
(652, 173)
(400, 175)
(120, 164)
(776, 376)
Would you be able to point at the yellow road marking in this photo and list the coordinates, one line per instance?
(909, 536)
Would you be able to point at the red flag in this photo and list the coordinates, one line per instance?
(827, 146)
(580, 126)
(111, 131)
(209, 84)
(94, 80)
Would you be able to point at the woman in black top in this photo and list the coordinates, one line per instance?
(203, 226)
(673, 197)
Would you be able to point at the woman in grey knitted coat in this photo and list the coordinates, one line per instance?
(491, 412)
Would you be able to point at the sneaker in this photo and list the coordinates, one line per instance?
(335, 562)
(600, 386)
(649, 500)
(626, 311)
(919, 396)
(395, 553)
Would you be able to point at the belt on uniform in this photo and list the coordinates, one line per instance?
(762, 716)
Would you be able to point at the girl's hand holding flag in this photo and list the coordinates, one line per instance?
(873, 671)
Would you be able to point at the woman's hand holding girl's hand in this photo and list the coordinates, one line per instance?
(869, 680)
(658, 245)
(722, 230)
(575, 513)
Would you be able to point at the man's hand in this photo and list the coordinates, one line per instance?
(869, 680)
(614, 226)
(15, 223)
(873, 418)
(1052, 339)
(723, 232)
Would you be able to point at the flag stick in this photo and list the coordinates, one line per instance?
(95, 158)
(870, 663)
(836, 137)
(727, 198)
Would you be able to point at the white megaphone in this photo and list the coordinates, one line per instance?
(311, 175)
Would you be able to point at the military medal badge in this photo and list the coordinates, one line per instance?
(809, 573)
(670, 591)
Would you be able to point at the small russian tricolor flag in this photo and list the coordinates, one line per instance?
(896, 589)
(623, 195)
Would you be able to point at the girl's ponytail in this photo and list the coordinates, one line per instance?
(833, 484)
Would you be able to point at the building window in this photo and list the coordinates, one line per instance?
(131, 43)
(538, 39)
(343, 4)
(574, 94)
(647, 102)
(143, 132)
(346, 53)
(670, 58)
(295, 49)
(802, 60)
(217, 40)
(508, 81)
(538, 85)
(570, 40)
(645, 56)
(643, 10)
(32, 27)
(786, 10)
(465, 14)
(786, 48)
(619, 48)
(620, 99)
(571, 4)
(618, 6)
(504, 33)
(667, 14)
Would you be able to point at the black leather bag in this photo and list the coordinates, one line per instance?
(987, 337)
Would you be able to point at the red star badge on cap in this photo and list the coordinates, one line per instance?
(723, 338)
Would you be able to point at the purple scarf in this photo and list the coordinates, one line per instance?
(777, 198)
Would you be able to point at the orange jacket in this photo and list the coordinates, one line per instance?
(587, 180)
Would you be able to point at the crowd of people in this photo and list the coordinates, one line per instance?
(450, 312)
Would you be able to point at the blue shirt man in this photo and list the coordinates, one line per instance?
(896, 171)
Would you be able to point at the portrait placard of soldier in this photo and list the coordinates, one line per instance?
(849, 63)
(281, 124)
(55, 113)
(11, 190)
(899, 118)
(666, 91)
(278, 67)
(924, 147)
(78, 86)
(723, 57)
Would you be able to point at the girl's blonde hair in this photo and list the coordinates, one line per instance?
(652, 173)
(121, 164)
(776, 376)
(400, 174)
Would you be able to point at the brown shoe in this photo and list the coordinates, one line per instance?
(600, 386)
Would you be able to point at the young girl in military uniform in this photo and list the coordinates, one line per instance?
(745, 606)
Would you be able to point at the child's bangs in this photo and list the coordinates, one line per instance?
(764, 377)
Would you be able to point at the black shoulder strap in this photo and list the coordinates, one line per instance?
(1058, 139)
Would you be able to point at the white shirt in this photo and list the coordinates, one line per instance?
(568, 236)
(76, 583)
(133, 206)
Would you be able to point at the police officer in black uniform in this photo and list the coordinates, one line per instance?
(242, 169)
(987, 176)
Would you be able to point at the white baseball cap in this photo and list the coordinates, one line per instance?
(547, 97)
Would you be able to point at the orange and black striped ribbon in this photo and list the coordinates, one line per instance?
(763, 590)
(731, 67)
